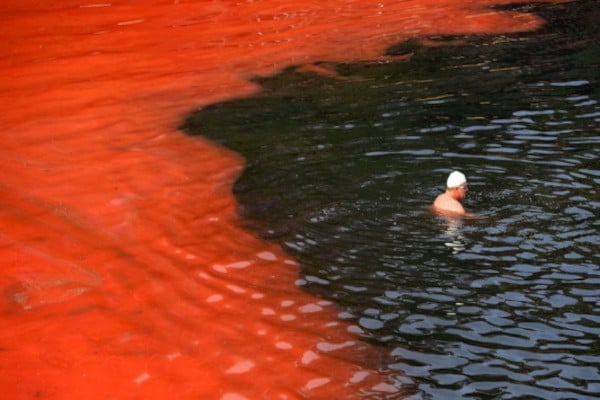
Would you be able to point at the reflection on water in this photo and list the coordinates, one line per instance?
(125, 272)
(455, 240)
(340, 172)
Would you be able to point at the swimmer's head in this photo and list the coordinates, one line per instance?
(456, 179)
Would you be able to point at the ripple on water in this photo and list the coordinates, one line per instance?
(502, 306)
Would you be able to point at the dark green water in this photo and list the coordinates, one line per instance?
(341, 173)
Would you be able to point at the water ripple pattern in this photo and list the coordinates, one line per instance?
(341, 172)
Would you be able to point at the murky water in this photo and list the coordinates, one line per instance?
(342, 166)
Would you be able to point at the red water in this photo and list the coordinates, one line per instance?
(124, 271)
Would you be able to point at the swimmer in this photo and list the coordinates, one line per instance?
(450, 202)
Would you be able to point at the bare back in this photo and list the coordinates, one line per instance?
(445, 203)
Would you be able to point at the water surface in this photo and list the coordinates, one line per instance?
(341, 168)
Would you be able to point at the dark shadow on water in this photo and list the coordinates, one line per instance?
(341, 172)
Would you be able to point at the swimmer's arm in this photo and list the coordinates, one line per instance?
(473, 216)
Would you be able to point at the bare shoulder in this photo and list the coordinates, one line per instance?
(446, 204)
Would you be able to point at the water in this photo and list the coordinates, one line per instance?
(342, 167)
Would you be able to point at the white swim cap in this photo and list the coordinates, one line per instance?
(455, 179)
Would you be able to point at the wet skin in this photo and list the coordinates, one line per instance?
(450, 202)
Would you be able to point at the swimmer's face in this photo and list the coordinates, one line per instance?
(462, 191)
